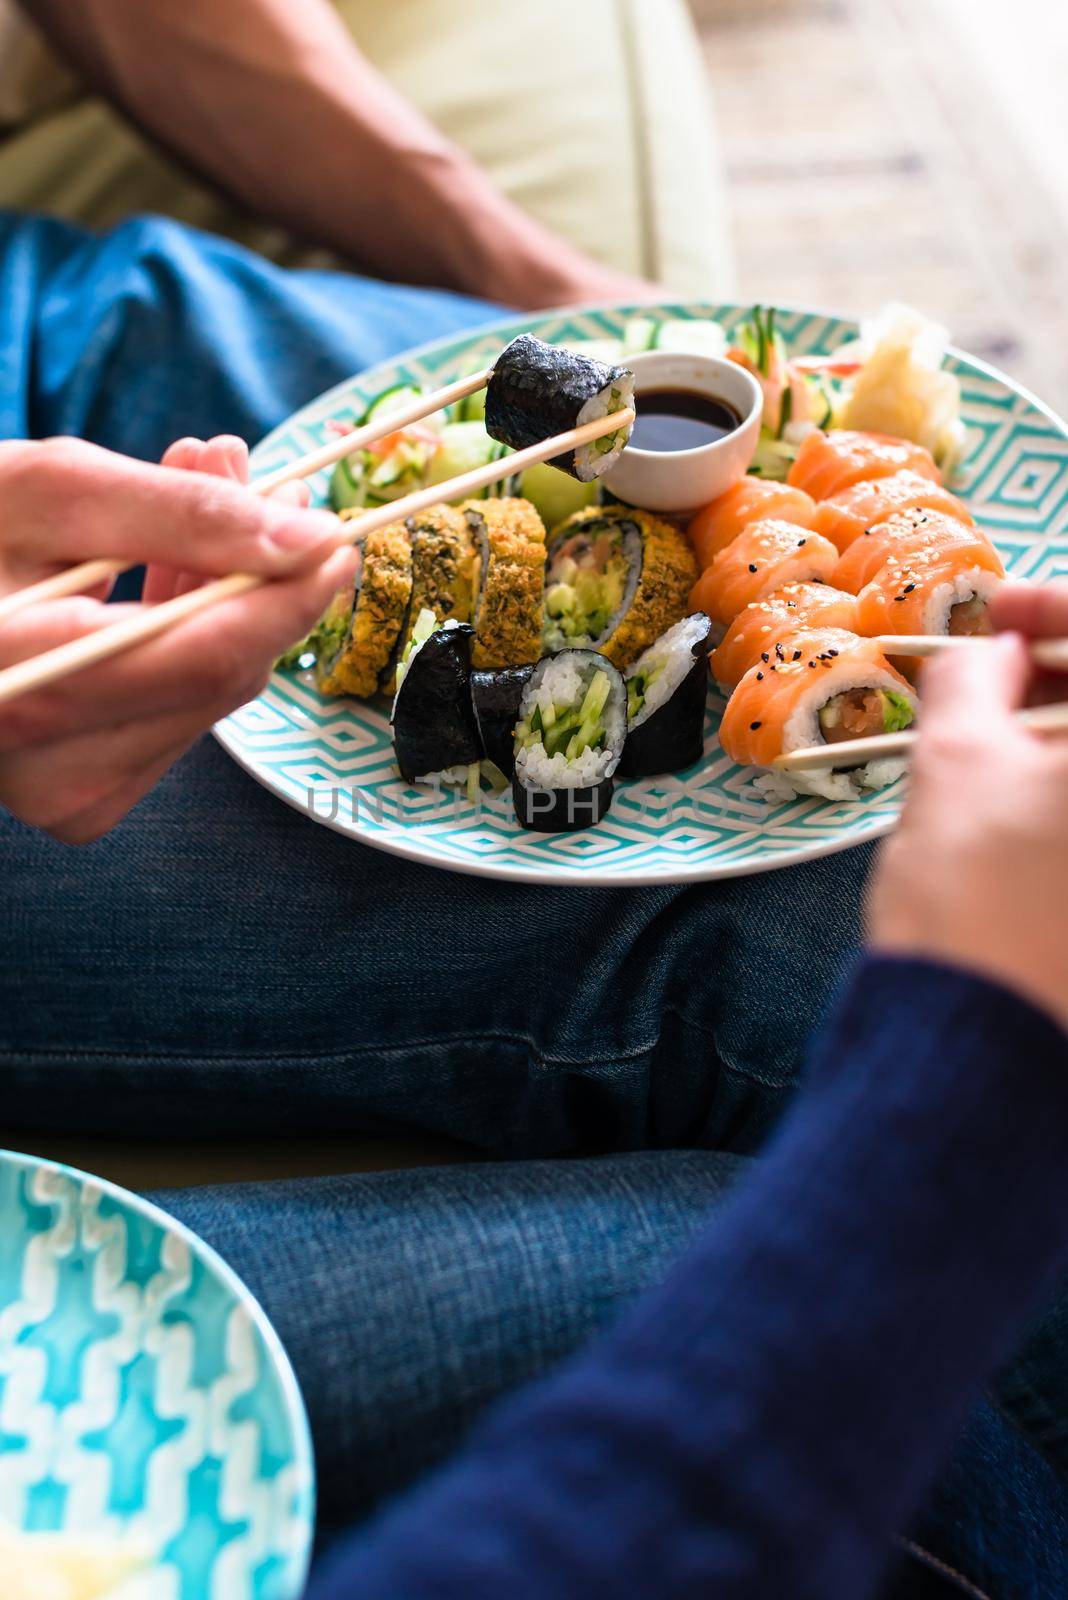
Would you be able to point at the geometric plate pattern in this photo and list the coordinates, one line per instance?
(334, 759)
(144, 1394)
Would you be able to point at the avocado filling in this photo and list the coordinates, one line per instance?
(568, 730)
(969, 619)
(859, 713)
(587, 584)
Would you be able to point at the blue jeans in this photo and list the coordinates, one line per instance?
(217, 958)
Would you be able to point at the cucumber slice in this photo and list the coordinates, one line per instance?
(554, 494)
(345, 489)
(465, 445)
(639, 334)
(692, 338)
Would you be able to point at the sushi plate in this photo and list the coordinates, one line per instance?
(144, 1396)
(333, 759)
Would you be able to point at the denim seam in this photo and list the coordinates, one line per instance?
(927, 1559)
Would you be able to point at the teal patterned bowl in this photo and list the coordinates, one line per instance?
(333, 759)
(143, 1393)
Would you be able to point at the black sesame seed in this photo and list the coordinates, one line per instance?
(797, 655)
(909, 588)
(752, 566)
(765, 655)
(898, 599)
(832, 652)
(812, 663)
(760, 677)
(800, 542)
(778, 652)
(753, 726)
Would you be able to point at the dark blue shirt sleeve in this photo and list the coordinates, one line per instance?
(763, 1422)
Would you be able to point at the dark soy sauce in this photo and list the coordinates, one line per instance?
(680, 419)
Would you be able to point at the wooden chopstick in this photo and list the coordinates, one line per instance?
(1040, 719)
(39, 671)
(1050, 653)
(78, 579)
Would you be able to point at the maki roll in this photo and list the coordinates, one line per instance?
(616, 580)
(573, 723)
(904, 536)
(931, 591)
(359, 632)
(495, 701)
(508, 538)
(433, 724)
(760, 632)
(666, 692)
(832, 686)
(748, 500)
(537, 390)
(765, 556)
(844, 517)
(443, 562)
(827, 463)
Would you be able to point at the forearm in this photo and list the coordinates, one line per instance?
(272, 101)
(763, 1423)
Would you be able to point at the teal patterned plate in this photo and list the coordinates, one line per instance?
(144, 1394)
(333, 759)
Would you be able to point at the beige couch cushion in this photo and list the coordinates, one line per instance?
(595, 117)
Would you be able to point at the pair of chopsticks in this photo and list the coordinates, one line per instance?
(1048, 653)
(40, 671)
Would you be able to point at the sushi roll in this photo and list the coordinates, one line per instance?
(508, 538)
(495, 699)
(930, 591)
(616, 580)
(350, 658)
(758, 633)
(748, 500)
(433, 724)
(443, 575)
(844, 516)
(829, 462)
(834, 686)
(906, 534)
(765, 556)
(568, 742)
(537, 390)
(667, 688)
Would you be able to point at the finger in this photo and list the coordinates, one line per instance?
(161, 583)
(973, 692)
(226, 456)
(73, 501)
(183, 454)
(1038, 611)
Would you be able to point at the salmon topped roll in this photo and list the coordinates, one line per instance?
(834, 686)
(829, 462)
(758, 633)
(907, 532)
(748, 500)
(844, 516)
(765, 556)
(931, 590)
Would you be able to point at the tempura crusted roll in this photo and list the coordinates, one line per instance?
(667, 689)
(765, 556)
(568, 743)
(496, 696)
(616, 580)
(537, 390)
(433, 724)
(351, 660)
(905, 534)
(833, 686)
(759, 633)
(443, 574)
(829, 462)
(844, 516)
(748, 500)
(508, 538)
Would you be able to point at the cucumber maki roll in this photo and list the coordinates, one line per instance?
(573, 722)
(616, 580)
(537, 390)
(508, 537)
(433, 724)
(495, 699)
(666, 692)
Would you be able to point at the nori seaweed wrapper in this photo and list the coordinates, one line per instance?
(673, 737)
(495, 700)
(537, 390)
(433, 723)
(561, 810)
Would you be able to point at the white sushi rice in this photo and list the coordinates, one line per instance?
(592, 460)
(563, 680)
(803, 729)
(673, 655)
(944, 596)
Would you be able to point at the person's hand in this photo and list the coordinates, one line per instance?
(75, 757)
(977, 873)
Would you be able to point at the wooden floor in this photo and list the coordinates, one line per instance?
(874, 154)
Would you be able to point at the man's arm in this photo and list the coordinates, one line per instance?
(274, 104)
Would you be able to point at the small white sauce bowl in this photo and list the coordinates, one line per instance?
(682, 480)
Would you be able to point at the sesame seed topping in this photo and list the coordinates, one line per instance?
(753, 726)
(797, 655)
(760, 677)
(752, 566)
(765, 655)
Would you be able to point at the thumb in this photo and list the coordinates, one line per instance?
(975, 687)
